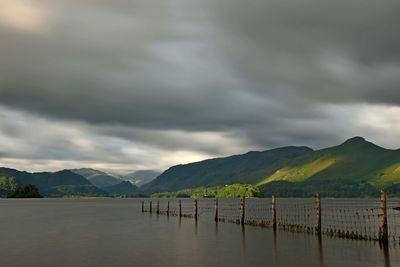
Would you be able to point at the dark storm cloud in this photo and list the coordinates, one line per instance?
(332, 51)
(263, 73)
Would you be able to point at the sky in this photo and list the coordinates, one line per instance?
(146, 84)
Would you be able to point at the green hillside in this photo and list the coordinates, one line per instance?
(55, 183)
(355, 160)
(355, 168)
(248, 168)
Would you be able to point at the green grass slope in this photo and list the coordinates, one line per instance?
(355, 161)
(248, 168)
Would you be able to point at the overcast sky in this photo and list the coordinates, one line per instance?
(146, 84)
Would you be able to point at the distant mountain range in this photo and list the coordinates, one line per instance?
(55, 183)
(354, 168)
(98, 178)
(81, 182)
(140, 177)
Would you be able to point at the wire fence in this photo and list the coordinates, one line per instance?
(363, 219)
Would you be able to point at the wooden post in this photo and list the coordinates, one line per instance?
(180, 208)
(158, 207)
(216, 209)
(273, 202)
(318, 211)
(383, 229)
(168, 208)
(242, 209)
(151, 207)
(142, 206)
(196, 209)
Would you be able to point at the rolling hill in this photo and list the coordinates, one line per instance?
(356, 159)
(354, 168)
(58, 183)
(251, 167)
(98, 178)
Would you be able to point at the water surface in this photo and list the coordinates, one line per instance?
(113, 232)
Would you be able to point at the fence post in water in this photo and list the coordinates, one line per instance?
(318, 211)
(151, 207)
(273, 212)
(142, 206)
(180, 208)
(216, 209)
(196, 209)
(383, 229)
(158, 207)
(242, 209)
(168, 208)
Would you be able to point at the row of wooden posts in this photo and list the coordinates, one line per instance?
(383, 229)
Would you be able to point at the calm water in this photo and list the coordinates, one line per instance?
(113, 232)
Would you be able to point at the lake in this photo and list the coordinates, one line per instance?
(114, 232)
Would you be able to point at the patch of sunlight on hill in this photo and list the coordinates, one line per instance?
(300, 173)
(388, 176)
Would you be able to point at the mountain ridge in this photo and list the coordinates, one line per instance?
(355, 163)
(60, 183)
(244, 168)
(355, 159)
(356, 167)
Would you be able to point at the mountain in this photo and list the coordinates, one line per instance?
(123, 188)
(105, 180)
(251, 167)
(141, 177)
(59, 183)
(356, 159)
(354, 166)
(98, 178)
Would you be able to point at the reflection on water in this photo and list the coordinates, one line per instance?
(385, 253)
(113, 232)
(320, 251)
(274, 249)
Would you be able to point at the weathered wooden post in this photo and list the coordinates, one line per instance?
(180, 208)
(273, 212)
(168, 208)
(158, 207)
(383, 229)
(242, 209)
(142, 206)
(216, 209)
(318, 211)
(151, 207)
(196, 209)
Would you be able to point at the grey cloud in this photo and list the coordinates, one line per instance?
(141, 73)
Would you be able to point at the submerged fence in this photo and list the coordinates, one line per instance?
(364, 219)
